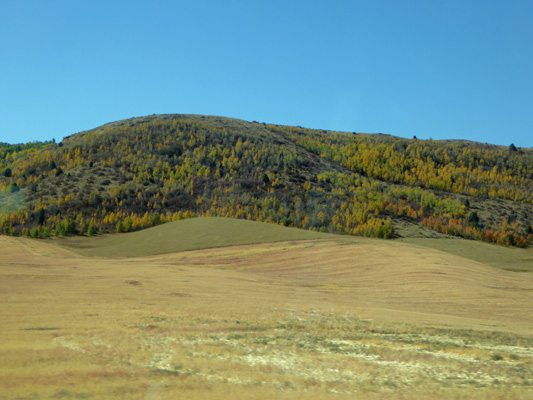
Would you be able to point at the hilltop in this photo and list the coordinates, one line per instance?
(142, 172)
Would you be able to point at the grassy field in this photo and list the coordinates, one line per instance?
(187, 234)
(211, 232)
(508, 258)
(338, 318)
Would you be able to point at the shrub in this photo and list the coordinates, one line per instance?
(40, 217)
(120, 227)
(91, 231)
(473, 219)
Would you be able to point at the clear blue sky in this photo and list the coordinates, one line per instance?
(440, 69)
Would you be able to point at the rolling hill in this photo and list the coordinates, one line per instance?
(188, 234)
(141, 172)
(214, 232)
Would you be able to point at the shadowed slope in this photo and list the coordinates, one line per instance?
(188, 234)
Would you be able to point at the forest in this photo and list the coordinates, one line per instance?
(137, 173)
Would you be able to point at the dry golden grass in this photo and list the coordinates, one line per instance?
(335, 318)
(507, 258)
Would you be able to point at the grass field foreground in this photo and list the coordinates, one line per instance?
(307, 319)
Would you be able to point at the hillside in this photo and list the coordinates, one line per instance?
(142, 172)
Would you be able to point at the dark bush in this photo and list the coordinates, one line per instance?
(473, 219)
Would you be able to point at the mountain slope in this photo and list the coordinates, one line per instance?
(141, 172)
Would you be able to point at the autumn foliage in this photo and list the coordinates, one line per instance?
(142, 172)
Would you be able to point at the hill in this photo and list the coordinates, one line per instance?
(213, 232)
(142, 172)
(188, 234)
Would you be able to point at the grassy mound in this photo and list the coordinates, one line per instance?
(188, 234)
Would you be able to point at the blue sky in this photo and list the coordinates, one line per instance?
(434, 69)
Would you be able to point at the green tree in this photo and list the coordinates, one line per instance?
(473, 219)
(91, 231)
(265, 178)
(120, 227)
(40, 217)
